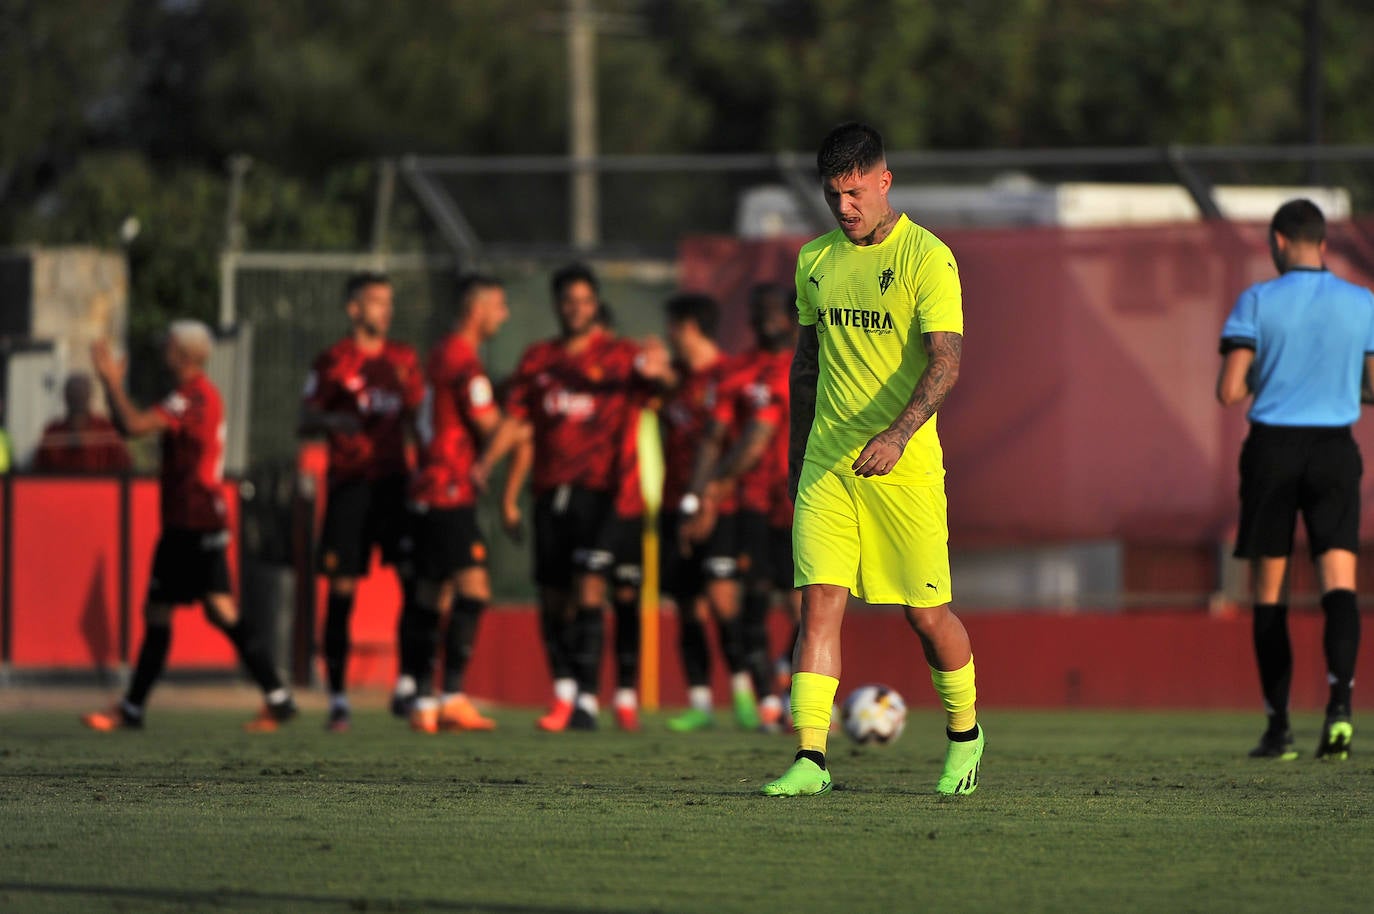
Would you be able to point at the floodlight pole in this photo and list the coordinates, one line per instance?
(1314, 80)
(582, 121)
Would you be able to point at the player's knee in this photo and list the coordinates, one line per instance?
(220, 611)
(479, 592)
(926, 620)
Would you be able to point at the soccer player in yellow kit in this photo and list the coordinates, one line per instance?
(881, 337)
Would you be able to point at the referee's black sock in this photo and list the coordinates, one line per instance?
(152, 657)
(1274, 655)
(1341, 641)
(338, 609)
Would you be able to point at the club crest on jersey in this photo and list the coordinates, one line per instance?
(885, 280)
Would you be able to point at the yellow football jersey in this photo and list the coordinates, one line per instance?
(870, 305)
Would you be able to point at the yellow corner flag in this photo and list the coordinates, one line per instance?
(650, 452)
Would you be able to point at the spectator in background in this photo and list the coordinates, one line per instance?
(81, 442)
(189, 565)
(1300, 344)
(362, 394)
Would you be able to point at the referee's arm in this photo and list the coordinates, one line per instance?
(1233, 383)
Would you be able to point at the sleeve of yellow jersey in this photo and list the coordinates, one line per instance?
(939, 296)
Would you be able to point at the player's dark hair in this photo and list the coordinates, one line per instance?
(765, 292)
(701, 310)
(573, 272)
(851, 148)
(359, 281)
(470, 285)
(1299, 220)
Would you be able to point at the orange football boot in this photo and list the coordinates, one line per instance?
(457, 713)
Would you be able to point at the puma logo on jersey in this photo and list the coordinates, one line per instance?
(815, 280)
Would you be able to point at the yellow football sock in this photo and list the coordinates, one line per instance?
(813, 699)
(957, 692)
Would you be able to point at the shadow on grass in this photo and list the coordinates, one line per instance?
(222, 898)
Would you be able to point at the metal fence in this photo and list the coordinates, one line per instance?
(513, 217)
(512, 205)
(293, 303)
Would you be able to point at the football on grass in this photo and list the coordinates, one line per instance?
(873, 714)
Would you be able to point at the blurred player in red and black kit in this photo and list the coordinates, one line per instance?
(362, 394)
(189, 563)
(459, 416)
(700, 551)
(572, 397)
(747, 446)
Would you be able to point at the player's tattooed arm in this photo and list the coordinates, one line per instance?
(806, 369)
(944, 350)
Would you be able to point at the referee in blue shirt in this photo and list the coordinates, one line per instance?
(1303, 345)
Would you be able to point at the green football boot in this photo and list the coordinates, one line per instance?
(1336, 736)
(692, 720)
(962, 760)
(804, 779)
(746, 711)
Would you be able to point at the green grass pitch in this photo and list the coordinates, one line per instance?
(1075, 811)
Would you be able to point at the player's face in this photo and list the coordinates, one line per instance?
(370, 310)
(492, 311)
(859, 202)
(578, 308)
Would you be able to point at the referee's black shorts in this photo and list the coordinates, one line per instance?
(1287, 470)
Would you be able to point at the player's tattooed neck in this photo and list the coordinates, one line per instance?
(882, 229)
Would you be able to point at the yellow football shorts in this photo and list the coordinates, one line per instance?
(887, 543)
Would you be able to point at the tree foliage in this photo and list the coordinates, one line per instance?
(132, 107)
